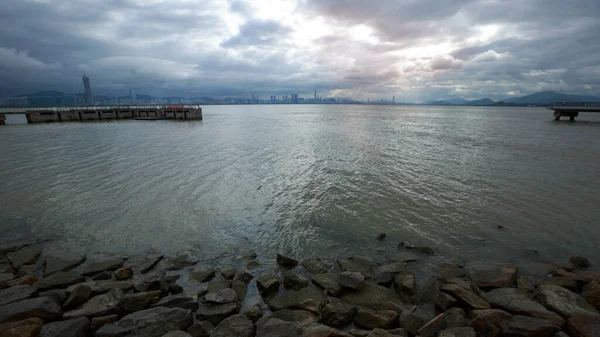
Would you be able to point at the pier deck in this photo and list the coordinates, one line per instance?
(572, 109)
(95, 113)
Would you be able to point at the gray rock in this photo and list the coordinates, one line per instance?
(222, 296)
(564, 302)
(77, 327)
(216, 285)
(142, 264)
(201, 274)
(430, 290)
(329, 282)
(180, 262)
(153, 322)
(360, 332)
(61, 279)
(149, 281)
(450, 270)
(565, 282)
(54, 264)
(300, 317)
(405, 286)
(315, 266)
(560, 334)
(240, 289)
(92, 268)
(455, 318)
(291, 280)
(43, 307)
(25, 256)
(11, 282)
(273, 327)
(175, 289)
(267, 284)
(493, 276)
(217, 312)
(338, 314)
(394, 268)
(103, 276)
(525, 326)
(431, 328)
(398, 332)
(201, 329)
(371, 296)
(465, 295)
(17, 293)
(383, 278)
(139, 301)
(584, 326)
(234, 326)
(101, 287)
(13, 246)
(321, 330)
(384, 319)
(445, 302)
(580, 262)
(351, 280)
(400, 308)
(458, 332)
(228, 273)
(26, 270)
(357, 264)
(254, 313)
(404, 257)
(59, 295)
(98, 322)
(183, 301)
(489, 321)
(30, 327)
(124, 273)
(591, 292)
(294, 299)
(177, 333)
(80, 294)
(101, 305)
(286, 261)
(413, 320)
(421, 249)
(243, 277)
(516, 301)
(252, 265)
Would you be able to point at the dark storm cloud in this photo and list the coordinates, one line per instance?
(258, 33)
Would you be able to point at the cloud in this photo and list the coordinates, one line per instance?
(12, 58)
(443, 62)
(258, 33)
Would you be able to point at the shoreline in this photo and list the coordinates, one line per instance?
(154, 294)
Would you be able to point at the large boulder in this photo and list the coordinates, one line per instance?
(226, 295)
(384, 319)
(584, 326)
(430, 290)
(591, 292)
(561, 281)
(486, 322)
(371, 296)
(351, 280)
(267, 284)
(61, 279)
(286, 261)
(338, 314)
(139, 301)
(295, 299)
(580, 262)
(357, 264)
(315, 266)
(201, 329)
(16, 294)
(217, 312)
(234, 326)
(320, 330)
(405, 286)
(177, 333)
(77, 297)
(98, 322)
(142, 264)
(299, 317)
(180, 261)
(104, 286)
(30, 327)
(149, 281)
(431, 328)
(525, 326)
(564, 302)
(25, 256)
(405, 257)
(329, 282)
(183, 301)
(273, 327)
(201, 274)
(77, 327)
(493, 276)
(59, 295)
(101, 305)
(92, 268)
(516, 301)
(291, 280)
(445, 302)
(43, 307)
(153, 322)
(54, 264)
(123, 273)
(240, 288)
(458, 332)
(465, 295)
(413, 320)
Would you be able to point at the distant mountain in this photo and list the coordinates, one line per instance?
(450, 101)
(547, 97)
(483, 101)
(43, 94)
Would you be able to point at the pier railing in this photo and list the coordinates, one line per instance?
(575, 104)
(23, 109)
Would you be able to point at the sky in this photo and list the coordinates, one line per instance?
(415, 50)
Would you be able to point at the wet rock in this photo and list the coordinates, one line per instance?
(142, 264)
(457, 332)
(59, 295)
(311, 305)
(560, 281)
(491, 276)
(405, 286)
(525, 326)
(25, 280)
(267, 284)
(430, 290)
(300, 317)
(564, 302)
(175, 289)
(445, 302)
(103, 276)
(405, 257)
(6, 267)
(591, 292)
(101, 287)
(467, 296)
(30, 327)
(201, 329)
(560, 334)
(222, 296)
(13, 246)
(124, 273)
(254, 313)
(252, 265)
(455, 318)
(516, 301)
(450, 270)
(357, 264)
(524, 283)
(218, 312)
(180, 262)
(338, 314)
(43, 307)
(286, 261)
(584, 326)
(228, 273)
(294, 299)
(77, 327)
(351, 280)
(371, 296)
(273, 327)
(54, 264)
(315, 266)
(98, 322)
(291, 280)
(201, 274)
(176, 333)
(431, 328)
(421, 249)
(400, 308)
(360, 332)
(101, 305)
(381, 236)
(61, 279)
(413, 320)
(240, 288)
(568, 266)
(16, 294)
(139, 301)
(234, 326)
(585, 275)
(216, 285)
(577, 261)
(243, 277)
(398, 332)
(329, 282)
(486, 322)
(153, 322)
(394, 268)
(92, 268)
(25, 256)
(385, 319)
(182, 301)
(149, 281)
(80, 294)
(320, 330)
(26, 270)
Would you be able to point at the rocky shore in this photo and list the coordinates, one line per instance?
(51, 295)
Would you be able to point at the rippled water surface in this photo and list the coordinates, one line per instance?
(311, 180)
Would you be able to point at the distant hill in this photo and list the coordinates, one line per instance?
(450, 101)
(483, 101)
(43, 94)
(547, 97)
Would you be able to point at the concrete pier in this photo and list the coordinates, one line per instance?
(96, 113)
(572, 109)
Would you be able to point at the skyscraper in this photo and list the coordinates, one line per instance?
(315, 94)
(89, 98)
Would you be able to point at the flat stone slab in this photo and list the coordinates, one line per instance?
(92, 268)
(516, 301)
(17, 293)
(25, 328)
(180, 261)
(273, 327)
(153, 322)
(25, 256)
(315, 266)
(405, 257)
(563, 301)
(217, 312)
(139, 301)
(457, 332)
(201, 274)
(465, 295)
(526, 326)
(101, 287)
(54, 264)
(143, 264)
(329, 282)
(77, 327)
(183, 301)
(584, 326)
(338, 314)
(357, 264)
(493, 276)
(43, 307)
(236, 325)
(301, 317)
(61, 279)
(149, 281)
(101, 305)
(294, 299)
(371, 296)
